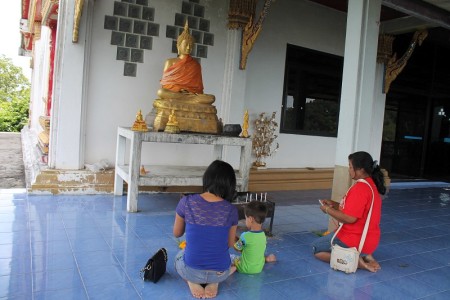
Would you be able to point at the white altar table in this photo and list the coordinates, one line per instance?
(165, 176)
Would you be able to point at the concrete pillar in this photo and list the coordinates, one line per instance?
(233, 92)
(69, 87)
(359, 118)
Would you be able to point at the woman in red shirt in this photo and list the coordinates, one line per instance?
(353, 211)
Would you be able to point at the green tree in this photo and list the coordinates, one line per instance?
(14, 96)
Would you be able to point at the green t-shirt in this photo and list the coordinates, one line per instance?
(253, 246)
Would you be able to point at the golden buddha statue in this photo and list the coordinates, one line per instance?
(172, 124)
(139, 123)
(181, 92)
(244, 133)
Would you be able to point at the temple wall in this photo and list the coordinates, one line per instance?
(297, 23)
(113, 99)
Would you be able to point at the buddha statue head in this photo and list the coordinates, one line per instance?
(185, 41)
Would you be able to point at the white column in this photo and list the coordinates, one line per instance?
(234, 81)
(379, 106)
(70, 86)
(357, 120)
(233, 93)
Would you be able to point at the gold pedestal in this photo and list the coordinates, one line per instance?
(201, 118)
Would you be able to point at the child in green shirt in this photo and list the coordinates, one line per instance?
(252, 243)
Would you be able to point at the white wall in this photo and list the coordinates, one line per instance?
(304, 24)
(114, 99)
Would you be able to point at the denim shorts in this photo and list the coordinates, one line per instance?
(198, 276)
(323, 244)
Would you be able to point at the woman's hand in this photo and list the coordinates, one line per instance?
(332, 209)
(232, 236)
(330, 203)
(178, 226)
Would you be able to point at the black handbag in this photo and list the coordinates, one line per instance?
(155, 267)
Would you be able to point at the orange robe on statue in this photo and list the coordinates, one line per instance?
(185, 74)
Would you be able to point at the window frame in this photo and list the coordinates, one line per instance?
(301, 67)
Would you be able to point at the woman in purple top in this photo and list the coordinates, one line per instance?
(209, 221)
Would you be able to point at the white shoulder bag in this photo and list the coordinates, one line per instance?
(346, 259)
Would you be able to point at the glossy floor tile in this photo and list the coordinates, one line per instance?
(89, 247)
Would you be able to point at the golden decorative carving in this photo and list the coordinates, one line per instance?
(240, 13)
(49, 11)
(244, 133)
(76, 19)
(395, 66)
(139, 123)
(384, 52)
(250, 31)
(37, 31)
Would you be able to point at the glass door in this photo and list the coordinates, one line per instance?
(404, 138)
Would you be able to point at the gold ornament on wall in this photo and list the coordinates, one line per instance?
(76, 19)
(384, 52)
(395, 66)
(263, 138)
(241, 14)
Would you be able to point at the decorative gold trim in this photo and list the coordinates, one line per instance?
(243, 12)
(384, 52)
(76, 19)
(240, 12)
(37, 31)
(395, 66)
(250, 34)
(31, 15)
(47, 8)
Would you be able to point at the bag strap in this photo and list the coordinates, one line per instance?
(366, 225)
(369, 215)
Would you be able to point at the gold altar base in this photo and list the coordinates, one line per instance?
(201, 118)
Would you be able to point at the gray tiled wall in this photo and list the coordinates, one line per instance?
(133, 28)
(194, 12)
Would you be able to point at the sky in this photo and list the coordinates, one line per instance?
(10, 34)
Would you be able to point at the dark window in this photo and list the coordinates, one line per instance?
(312, 92)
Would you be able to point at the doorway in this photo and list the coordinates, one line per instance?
(416, 131)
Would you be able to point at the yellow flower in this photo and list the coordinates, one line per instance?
(182, 245)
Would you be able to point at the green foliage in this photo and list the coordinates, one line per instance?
(14, 96)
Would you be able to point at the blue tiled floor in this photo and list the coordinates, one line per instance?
(89, 247)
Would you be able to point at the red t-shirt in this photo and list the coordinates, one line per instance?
(356, 203)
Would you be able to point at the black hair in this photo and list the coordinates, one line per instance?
(257, 210)
(220, 180)
(363, 160)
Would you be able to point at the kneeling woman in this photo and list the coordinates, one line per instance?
(353, 211)
(209, 221)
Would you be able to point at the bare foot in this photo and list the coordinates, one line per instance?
(197, 290)
(211, 290)
(370, 260)
(366, 266)
(271, 258)
(232, 270)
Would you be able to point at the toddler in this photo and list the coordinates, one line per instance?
(252, 243)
